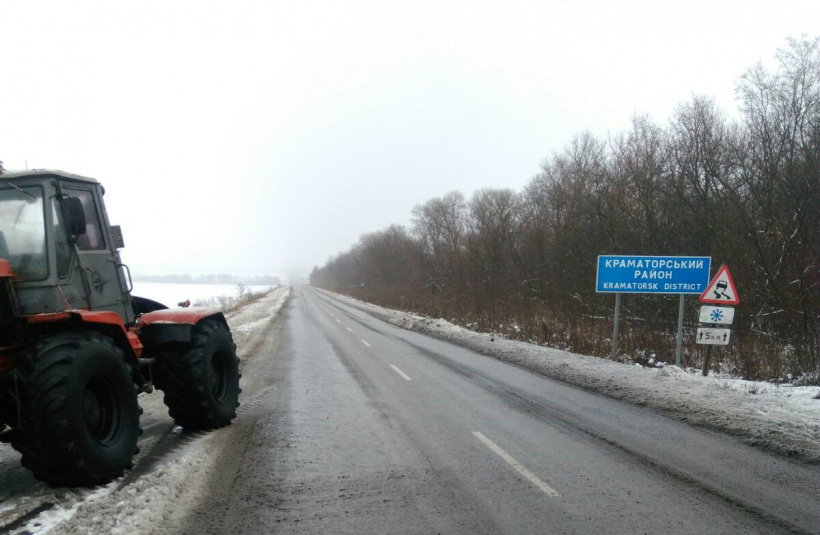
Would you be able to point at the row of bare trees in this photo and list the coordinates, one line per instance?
(745, 192)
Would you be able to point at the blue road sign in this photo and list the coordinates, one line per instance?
(653, 274)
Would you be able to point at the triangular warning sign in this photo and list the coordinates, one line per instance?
(721, 290)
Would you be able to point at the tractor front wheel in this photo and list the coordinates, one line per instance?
(200, 380)
(80, 411)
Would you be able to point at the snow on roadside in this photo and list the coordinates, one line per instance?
(247, 319)
(140, 506)
(782, 419)
(144, 505)
(52, 517)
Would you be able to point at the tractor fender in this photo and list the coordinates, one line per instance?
(106, 322)
(173, 324)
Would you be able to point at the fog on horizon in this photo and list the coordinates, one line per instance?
(260, 138)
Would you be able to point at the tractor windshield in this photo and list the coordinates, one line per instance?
(23, 231)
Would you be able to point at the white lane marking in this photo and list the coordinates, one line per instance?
(338, 321)
(365, 343)
(406, 378)
(349, 329)
(534, 479)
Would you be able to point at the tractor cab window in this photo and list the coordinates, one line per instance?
(23, 231)
(92, 240)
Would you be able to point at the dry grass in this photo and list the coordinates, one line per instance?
(227, 303)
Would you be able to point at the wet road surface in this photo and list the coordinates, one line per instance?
(352, 425)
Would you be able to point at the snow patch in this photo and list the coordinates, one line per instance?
(49, 519)
(673, 372)
(144, 505)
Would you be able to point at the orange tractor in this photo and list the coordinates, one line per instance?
(76, 348)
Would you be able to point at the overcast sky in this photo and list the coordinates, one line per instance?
(262, 137)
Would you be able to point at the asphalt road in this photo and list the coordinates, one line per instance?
(351, 425)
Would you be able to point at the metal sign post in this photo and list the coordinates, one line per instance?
(707, 360)
(615, 329)
(680, 333)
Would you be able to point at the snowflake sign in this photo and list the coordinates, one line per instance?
(719, 315)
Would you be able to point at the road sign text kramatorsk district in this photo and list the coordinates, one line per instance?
(652, 274)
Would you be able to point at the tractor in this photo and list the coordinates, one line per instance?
(76, 348)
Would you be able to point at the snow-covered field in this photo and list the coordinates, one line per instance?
(168, 472)
(781, 419)
(170, 294)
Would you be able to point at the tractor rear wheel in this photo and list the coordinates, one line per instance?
(80, 411)
(200, 380)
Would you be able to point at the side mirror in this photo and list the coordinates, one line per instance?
(116, 236)
(73, 215)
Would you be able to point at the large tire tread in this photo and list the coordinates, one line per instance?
(183, 378)
(46, 440)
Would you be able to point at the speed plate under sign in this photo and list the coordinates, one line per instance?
(713, 337)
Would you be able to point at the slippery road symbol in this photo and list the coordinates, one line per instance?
(720, 290)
